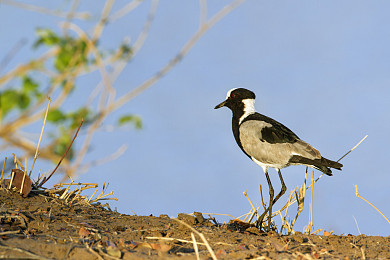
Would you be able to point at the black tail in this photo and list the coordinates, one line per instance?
(322, 164)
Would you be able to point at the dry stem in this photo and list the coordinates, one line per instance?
(2, 172)
(195, 246)
(46, 179)
(310, 226)
(358, 195)
(40, 137)
(213, 256)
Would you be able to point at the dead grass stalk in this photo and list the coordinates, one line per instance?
(40, 136)
(213, 256)
(358, 195)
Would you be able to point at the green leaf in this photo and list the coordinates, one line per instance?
(29, 85)
(47, 37)
(9, 100)
(82, 113)
(130, 119)
(72, 53)
(56, 116)
(24, 101)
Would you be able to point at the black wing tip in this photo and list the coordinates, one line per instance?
(324, 169)
(327, 169)
(324, 165)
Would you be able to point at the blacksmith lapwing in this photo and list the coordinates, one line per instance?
(269, 143)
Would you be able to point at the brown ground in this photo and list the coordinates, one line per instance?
(39, 227)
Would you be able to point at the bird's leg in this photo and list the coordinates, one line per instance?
(283, 190)
(269, 209)
(271, 198)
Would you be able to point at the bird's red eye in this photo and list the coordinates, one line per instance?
(232, 95)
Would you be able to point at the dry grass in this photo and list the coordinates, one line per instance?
(358, 195)
(213, 256)
(69, 193)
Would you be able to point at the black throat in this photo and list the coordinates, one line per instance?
(238, 112)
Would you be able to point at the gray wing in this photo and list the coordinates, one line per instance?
(256, 141)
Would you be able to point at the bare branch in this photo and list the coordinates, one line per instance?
(186, 48)
(125, 10)
(43, 10)
(103, 20)
(203, 12)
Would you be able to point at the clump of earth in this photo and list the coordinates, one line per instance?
(42, 227)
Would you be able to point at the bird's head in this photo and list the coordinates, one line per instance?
(238, 99)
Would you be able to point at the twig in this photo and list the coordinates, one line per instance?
(93, 194)
(103, 20)
(124, 10)
(69, 250)
(46, 179)
(16, 162)
(104, 197)
(24, 175)
(9, 232)
(301, 199)
(186, 48)
(285, 224)
(223, 214)
(12, 179)
(32, 255)
(87, 185)
(203, 12)
(66, 190)
(113, 156)
(358, 195)
(94, 252)
(24, 68)
(250, 202)
(361, 249)
(213, 256)
(356, 224)
(107, 255)
(70, 14)
(352, 148)
(251, 213)
(175, 239)
(310, 226)
(145, 30)
(2, 172)
(40, 137)
(43, 10)
(195, 246)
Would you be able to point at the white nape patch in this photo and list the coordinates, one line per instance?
(229, 92)
(249, 108)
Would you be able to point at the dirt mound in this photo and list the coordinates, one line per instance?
(47, 228)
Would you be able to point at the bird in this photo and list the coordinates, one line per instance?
(269, 143)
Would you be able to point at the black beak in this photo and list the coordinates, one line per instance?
(220, 105)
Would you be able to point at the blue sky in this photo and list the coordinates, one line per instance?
(319, 67)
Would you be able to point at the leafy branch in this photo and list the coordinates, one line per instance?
(69, 53)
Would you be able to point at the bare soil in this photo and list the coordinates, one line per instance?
(40, 227)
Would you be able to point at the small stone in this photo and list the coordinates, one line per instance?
(199, 217)
(253, 230)
(187, 219)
